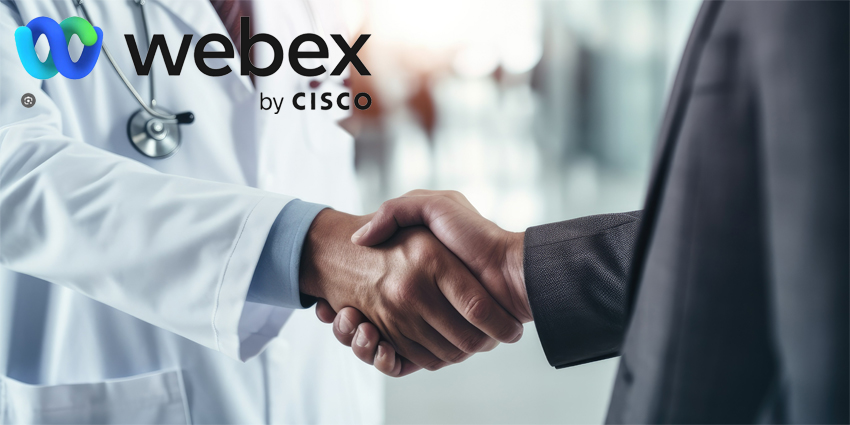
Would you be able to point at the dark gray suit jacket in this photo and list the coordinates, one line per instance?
(727, 297)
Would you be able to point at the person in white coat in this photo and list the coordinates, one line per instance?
(168, 290)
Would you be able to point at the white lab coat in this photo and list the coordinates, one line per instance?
(123, 279)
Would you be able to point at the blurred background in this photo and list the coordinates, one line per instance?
(538, 111)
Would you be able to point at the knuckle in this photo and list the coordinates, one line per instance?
(478, 309)
(442, 203)
(417, 192)
(456, 195)
(508, 332)
(405, 291)
(422, 249)
(408, 291)
(457, 356)
(473, 343)
(387, 207)
(435, 364)
(489, 345)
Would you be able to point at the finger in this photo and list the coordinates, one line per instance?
(402, 212)
(385, 359)
(418, 354)
(391, 364)
(452, 194)
(446, 320)
(349, 316)
(346, 323)
(476, 305)
(407, 367)
(437, 344)
(324, 311)
(366, 340)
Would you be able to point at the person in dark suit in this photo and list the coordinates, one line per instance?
(727, 295)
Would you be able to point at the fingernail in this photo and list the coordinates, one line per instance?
(361, 340)
(360, 232)
(345, 325)
(382, 352)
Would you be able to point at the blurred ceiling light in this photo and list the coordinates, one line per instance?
(473, 36)
(636, 38)
(521, 54)
(476, 61)
(436, 24)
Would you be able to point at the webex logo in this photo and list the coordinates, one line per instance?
(174, 65)
(59, 59)
(58, 37)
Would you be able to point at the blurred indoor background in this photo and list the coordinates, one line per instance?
(538, 111)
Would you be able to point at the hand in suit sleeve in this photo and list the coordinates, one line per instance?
(575, 273)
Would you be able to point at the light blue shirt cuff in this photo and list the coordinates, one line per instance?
(275, 280)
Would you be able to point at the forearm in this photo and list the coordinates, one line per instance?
(514, 275)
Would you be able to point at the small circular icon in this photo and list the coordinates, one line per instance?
(28, 100)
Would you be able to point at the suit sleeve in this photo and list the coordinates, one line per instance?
(575, 275)
(802, 76)
(176, 252)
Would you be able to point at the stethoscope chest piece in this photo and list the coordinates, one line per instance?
(153, 137)
(152, 131)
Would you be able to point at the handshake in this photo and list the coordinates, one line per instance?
(424, 282)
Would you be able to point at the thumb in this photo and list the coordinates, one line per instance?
(357, 237)
(393, 214)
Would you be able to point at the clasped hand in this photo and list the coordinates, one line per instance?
(424, 282)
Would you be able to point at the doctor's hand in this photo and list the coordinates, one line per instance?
(422, 300)
(365, 340)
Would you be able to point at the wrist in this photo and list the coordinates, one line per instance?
(514, 275)
(327, 253)
(308, 270)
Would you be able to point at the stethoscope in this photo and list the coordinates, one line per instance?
(154, 132)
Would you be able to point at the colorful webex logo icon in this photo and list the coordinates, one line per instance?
(58, 37)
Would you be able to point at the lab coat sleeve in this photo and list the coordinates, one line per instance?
(176, 252)
(276, 279)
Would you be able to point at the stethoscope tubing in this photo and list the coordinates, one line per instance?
(81, 7)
